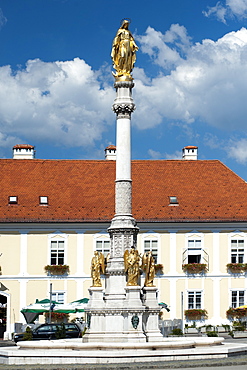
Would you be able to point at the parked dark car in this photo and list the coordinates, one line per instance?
(52, 331)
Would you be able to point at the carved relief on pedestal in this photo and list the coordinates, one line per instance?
(122, 239)
(117, 245)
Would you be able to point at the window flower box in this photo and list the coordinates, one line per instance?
(57, 269)
(57, 317)
(195, 268)
(236, 268)
(196, 314)
(238, 313)
(159, 269)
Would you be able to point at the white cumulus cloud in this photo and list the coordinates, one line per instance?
(208, 84)
(60, 102)
(237, 150)
(68, 103)
(227, 9)
(165, 49)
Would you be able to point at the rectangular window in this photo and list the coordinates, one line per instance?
(43, 200)
(194, 300)
(58, 297)
(151, 245)
(13, 199)
(194, 251)
(237, 298)
(173, 200)
(237, 251)
(57, 252)
(103, 246)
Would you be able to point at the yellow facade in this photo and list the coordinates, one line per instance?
(25, 253)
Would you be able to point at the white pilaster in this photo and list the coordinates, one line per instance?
(216, 253)
(80, 253)
(23, 254)
(216, 300)
(173, 252)
(173, 300)
(23, 300)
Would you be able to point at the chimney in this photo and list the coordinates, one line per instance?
(111, 153)
(190, 152)
(23, 151)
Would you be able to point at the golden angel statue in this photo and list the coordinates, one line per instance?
(123, 52)
(148, 266)
(97, 267)
(132, 265)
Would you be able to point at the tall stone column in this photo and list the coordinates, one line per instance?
(116, 313)
(123, 230)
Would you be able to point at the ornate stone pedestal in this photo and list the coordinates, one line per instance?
(151, 315)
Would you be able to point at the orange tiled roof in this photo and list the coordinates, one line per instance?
(80, 191)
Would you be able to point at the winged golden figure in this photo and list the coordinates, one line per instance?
(97, 267)
(132, 266)
(148, 266)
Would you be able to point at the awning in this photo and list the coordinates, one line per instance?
(32, 311)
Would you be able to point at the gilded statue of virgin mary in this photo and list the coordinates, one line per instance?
(123, 51)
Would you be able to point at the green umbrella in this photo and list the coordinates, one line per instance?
(32, 311)
(73, 307)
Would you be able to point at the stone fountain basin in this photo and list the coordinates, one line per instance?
(167, 343)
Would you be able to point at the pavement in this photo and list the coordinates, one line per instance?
(230, 363)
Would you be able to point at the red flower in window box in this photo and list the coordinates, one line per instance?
(236, 268)
(196, 314)
(57, 269)
(158, 268)
(194, 268)
(236, 312)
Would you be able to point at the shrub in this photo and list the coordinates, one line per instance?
(28, 335)
(212, 333)
(177, 331)
(84, 331)
(226, 327)
(238, 326)
(60, 332)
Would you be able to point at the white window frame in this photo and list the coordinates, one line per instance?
(237, 236)
(195, 291)
(55, 295)
(43, 200)
(193, 251)
(57, 237)
(13, 199)
(238, 303)
(102, 238)
(151, 236)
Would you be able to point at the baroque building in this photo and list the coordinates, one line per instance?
(57, 212)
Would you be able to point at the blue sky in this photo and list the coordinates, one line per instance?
(56, 87)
